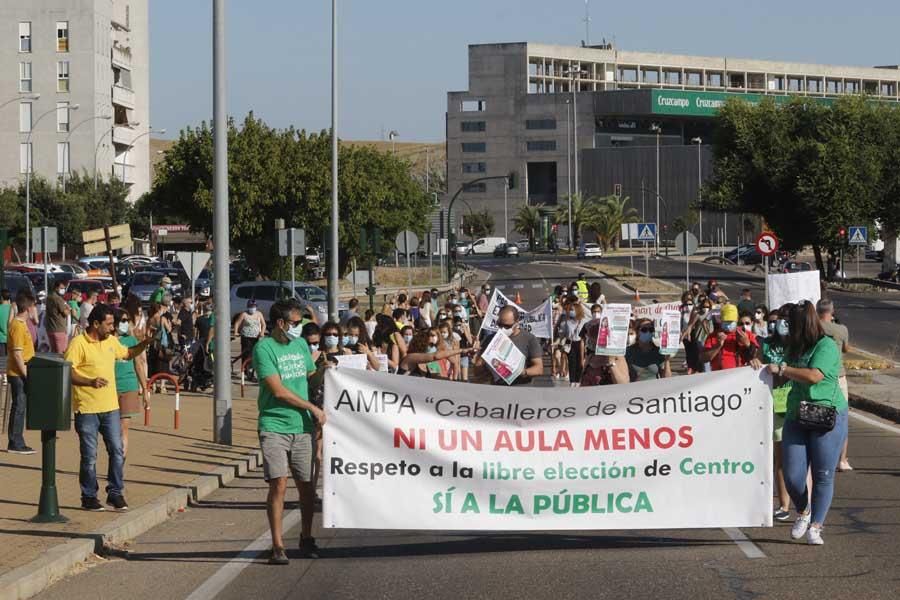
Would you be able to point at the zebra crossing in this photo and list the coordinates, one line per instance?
(521, 286)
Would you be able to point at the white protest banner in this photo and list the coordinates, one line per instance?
(539, 321)
(793, 287)
(410, 453)
(670, 332)
(353, 361)
(502, 357)
(612, 337)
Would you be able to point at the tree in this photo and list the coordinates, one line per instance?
(478, 224)
(580, 209)
(686, 221)
(286, 174)
(528, 222)
(606, 216)
(807, 168)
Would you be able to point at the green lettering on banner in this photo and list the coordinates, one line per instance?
(706, 104)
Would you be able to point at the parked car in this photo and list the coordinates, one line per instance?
(143, 284)
(485, 245)
(77, 271)
(590, 250)
(506, 249)
(523, 245)
(746, 254)
(461, 249)
(15, 281)
(203, 285)
(267, 292)
(80, 287)
(796, 266)
(37, 280)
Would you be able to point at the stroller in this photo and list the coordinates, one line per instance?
(193, 367)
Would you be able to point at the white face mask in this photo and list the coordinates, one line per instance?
(251, 310)
(632, 338)
(123, 328)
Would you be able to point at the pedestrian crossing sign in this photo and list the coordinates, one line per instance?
(859, 236)
(646, 232)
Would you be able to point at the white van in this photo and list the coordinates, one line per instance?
(486, 245)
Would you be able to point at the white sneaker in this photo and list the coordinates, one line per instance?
(800, 526)
(814, 536)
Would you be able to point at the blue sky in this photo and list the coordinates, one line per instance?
(400, 57)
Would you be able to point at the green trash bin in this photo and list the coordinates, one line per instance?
(49, 393)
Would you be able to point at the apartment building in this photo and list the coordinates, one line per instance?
(75, 90)
(599, 120)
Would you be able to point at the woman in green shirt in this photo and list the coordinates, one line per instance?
(813, 364)
(129, 381)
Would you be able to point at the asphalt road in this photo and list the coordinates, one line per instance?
(216, 549)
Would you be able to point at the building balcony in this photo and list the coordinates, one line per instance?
(121, 55)
(123, 135)
(121, 18)
(123, 97)
(123, 172)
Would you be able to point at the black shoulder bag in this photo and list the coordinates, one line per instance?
(817, 417)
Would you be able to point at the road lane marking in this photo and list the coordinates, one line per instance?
(217, 583)
(749, 549)
(519, 286)
(537, 286)
(885, 426)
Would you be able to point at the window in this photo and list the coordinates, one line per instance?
(25, 36)
(62, 117)
(475, 188)
(474, 147)
(62, 157)
(25, 117)
(694, 78)
(628, 74)
(852, 86)
(672, 77)
(472, 126)
(474, 167)
(24, 157)
(776, 83)
(650, 75)
(122, 77)
(473, 106)
(62, 36)
(25, 77)
(540, 124)
(62, 76)
(813, 85)
(540, 146)
(736, 80)
(714, 79)
(888, 88)
(794, 83)
(245, 292)
(266, 292)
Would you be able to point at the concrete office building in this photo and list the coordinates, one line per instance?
(56, 54)
(524, 101)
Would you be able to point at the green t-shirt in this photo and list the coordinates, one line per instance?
(158, 295)
(294, 364)
(4, 322)
(773, 354)
(76, 311)
(826, 357)
(126, 377)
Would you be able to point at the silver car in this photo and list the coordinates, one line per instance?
(266, 293)
(144, 283)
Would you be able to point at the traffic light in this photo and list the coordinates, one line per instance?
(511, 180)
(842, 233)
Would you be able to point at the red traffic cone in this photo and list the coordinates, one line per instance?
(637, 295)
(518, 299)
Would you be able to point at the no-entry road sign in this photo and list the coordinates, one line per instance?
(767, 243)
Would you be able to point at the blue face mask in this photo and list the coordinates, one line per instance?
(432, 350)
(782, 328)
(352, 340)
(645, 336)
(407, 338)
(771, 327)
(729, 326)
(331, 341)
(345, 340)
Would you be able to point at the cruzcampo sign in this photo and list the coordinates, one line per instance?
(705, 104)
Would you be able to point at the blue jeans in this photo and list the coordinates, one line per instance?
(16, 412)
(108, 425)
(820, 450)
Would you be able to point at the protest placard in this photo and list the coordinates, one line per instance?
(410, 453)
(502, 357)
(353, 361)
(538, 321)
(793, 287)
(612, 337)
(383, 364)
(670, 332)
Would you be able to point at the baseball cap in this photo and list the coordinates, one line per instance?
(729, 312)
(165, 280)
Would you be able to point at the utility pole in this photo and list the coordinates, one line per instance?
(222, 390)
(333, 291)
(569, 165)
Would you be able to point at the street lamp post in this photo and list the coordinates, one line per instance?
(133, 144)
(333, 262)
(29, 162)
(657, 129)
(573, 77)
(699, 142)
(505, 209)
(569, 164)
(66, 148)
(392, 136)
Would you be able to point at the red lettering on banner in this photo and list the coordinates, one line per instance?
(631, 439)
(409, 438)
(459, 440)
(529, 440)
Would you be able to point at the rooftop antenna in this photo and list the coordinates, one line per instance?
(587, 22)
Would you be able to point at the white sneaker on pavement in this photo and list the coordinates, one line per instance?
(800, 526)
(814, 536)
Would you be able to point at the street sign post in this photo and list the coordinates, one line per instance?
(686, 243)
(859, 236)
(193, 263)
(767, 245)
(407, 241)
(370, 245)
(646, 232)
(112, 238)
(292, 242)
(49, 242)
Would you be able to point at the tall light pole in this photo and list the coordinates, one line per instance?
(573, 78)
(699, 142)
(66, 148)
(333, 262)
(19, 98)
(222, 389)
(29, 161)
(133, 144)
(393, 135)
(569, 164)
(657, 129)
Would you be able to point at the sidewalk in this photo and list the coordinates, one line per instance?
(162, 466)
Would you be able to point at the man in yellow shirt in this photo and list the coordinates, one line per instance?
(20, 350)
(93, 355)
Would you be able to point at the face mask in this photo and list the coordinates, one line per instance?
(313, 347)
(432, 349)
(771, 327)
(441, 316)
(168, 286)
(407, 338)
(747, 327)
(251, 310)
(645, 336)
(61, 291)
(782, 328)
(688, 308)
(454, 301)
(596, 315)
(505, 328)
(632, 338)
(759, 316)
(353, 340)
(188, 307)
(571, 314)
(465, 294)
(331, 341)
(345, 339)
(729, 326)
(445, 335)
(123, 328)
(294, 332)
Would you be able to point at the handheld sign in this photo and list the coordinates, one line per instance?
(767, 243)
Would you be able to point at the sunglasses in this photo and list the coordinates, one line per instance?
(746, 323)
(646, 330)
